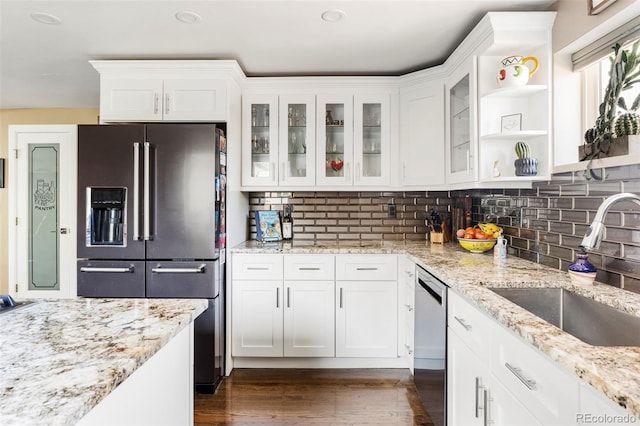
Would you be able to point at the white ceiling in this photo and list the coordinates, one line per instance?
(44, 66)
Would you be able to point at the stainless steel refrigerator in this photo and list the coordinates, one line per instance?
(151, 221)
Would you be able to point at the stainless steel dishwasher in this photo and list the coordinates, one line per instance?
(430, 344)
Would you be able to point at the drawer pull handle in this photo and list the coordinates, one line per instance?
(277, 297)
(257, 268)
(107, 270)
(367, 268)
(197, 270)
(530, 384)
(463, 323)
(308, 268)
(340, 297)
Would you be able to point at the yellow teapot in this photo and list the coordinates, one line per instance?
(514, 72)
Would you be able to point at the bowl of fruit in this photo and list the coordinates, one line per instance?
(480, 238)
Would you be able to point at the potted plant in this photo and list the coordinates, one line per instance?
(524, 164)
(600, 140)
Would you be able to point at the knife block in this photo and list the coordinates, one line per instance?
(439, 237)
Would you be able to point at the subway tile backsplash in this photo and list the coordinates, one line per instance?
(544, 224)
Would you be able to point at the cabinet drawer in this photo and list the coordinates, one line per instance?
(543, 387)
(470, 324)
(257, 267)
(367, 267)
(309, 267)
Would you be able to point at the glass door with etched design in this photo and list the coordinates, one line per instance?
(42, 199)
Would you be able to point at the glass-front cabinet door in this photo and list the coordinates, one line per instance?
(260, 140)
(297, 140)
(372, 120)
(460, 110)
(334, 155)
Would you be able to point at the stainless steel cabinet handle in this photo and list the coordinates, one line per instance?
(166, 103)
(478, 387)
(308, 268)
(147, 177)
(485, 406)
(288, 297)
(257, 268)
(366, 268)
(161, 270)
(277, 297)
(136, 191)
(155, 103)
(463, 323)
(103, 269)
(341, 298)
(530, 384)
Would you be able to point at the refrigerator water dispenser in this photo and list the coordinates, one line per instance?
(106, 214)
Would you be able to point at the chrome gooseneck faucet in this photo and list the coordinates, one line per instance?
(593, 236)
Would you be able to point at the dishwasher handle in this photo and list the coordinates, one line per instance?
(435, 293)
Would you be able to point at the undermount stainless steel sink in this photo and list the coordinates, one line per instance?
(586, 319)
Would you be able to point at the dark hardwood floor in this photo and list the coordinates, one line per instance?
(313, 396)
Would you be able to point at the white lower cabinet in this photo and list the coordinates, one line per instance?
(256, 310)
(495, 378)
(293, 306)
(309, 319)
(367, 319)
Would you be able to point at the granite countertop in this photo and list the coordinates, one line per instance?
(614, 371)
(60, 358)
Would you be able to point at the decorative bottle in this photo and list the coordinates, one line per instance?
(581, 271)
(287, 223)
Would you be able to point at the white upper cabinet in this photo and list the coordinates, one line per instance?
(278, 140)
(353, 140)
(145, 91)
(422, 134)
(260, 140)
(497, 95)
(326, 139)
(460, 128)
(297, 140)
(334, 154)
(371, 140)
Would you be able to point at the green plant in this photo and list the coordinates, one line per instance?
(522, 150)
(627, 124)
(624, 72)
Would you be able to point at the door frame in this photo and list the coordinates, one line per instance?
(68, 201)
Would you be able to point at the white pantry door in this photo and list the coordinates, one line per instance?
(42, 211)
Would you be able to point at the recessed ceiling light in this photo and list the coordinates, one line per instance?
(46, 18)
(187, 17)
(333, 15)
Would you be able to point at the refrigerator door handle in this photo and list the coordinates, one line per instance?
(110, 270)
(147, 177)
(160, 270)
(136, 191)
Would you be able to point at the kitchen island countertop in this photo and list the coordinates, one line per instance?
(60, 358)
(614, 371)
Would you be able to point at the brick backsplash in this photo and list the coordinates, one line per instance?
(544, 224)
